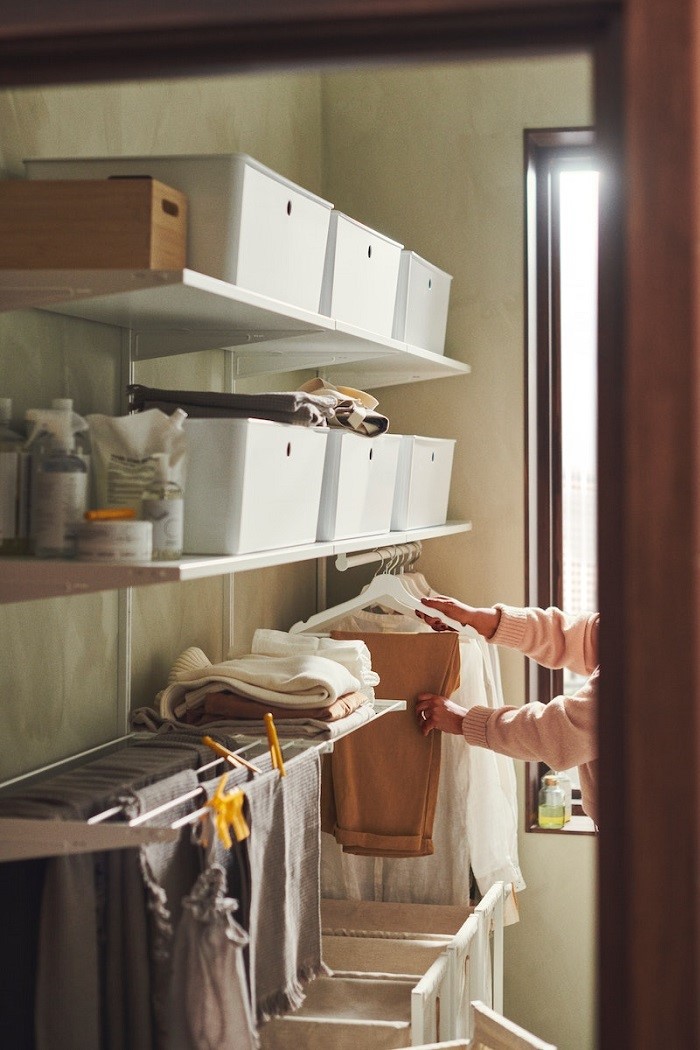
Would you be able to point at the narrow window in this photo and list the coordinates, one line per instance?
(562, 271)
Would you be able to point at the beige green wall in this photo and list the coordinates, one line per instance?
(433, 157)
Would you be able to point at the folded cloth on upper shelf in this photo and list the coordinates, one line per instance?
(225, 704)
(354, 409)
(304, 681)
(354, 655)
(296, 407)
(147, 719)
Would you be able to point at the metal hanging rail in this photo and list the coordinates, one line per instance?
(396, 557)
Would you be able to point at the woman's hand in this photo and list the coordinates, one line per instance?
(437, 712)
(485, 621)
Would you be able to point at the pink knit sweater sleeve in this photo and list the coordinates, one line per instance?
(561, 733)
(550, 637)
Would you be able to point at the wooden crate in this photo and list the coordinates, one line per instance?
(95, 224)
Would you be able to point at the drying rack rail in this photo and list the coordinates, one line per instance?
(250, 746)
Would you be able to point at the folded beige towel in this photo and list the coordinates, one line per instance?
(354, 655)
(306, 681)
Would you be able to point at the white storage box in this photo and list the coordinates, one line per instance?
(246, 224)
(252, 485)
(422, 301)
(359, 477)
(360, 276)
(422, 482)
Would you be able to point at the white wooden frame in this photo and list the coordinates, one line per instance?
(490, 947)
(431, 1007)
(492, 1031)
(465, 964)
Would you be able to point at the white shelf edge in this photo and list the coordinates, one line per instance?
(173, 312)
(30, 579)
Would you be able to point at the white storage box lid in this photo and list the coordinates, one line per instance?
(360, 276)
(252, 485)
(422, 302)
(359, 478)
(422, 482)
(247, 224)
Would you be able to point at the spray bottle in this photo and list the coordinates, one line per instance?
(60, 481)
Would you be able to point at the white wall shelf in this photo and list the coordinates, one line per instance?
(28, 579)
(179, 311)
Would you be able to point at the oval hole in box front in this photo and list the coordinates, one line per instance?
(369, 252)
(289, 448)
(170, 207)
(432, 458)
(289, 207)
(370, 452)
(430, 282)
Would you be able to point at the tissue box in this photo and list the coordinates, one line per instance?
(252, 485)
(92, 224)
(422, 482)
(248, 225)
(358, 485)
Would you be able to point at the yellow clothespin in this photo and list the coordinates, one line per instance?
(228, 812)
(231, 757)
(275, 749)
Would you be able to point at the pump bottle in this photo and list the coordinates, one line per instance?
(162, 503)
(60, 485)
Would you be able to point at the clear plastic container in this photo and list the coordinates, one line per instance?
(564, 782)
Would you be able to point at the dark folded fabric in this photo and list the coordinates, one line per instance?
(294, 406)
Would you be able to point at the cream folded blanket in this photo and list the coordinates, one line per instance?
(353, 655)
(305, 681)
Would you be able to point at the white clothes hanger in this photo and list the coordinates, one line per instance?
(384, 589)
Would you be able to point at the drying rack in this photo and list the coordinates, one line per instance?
(64, 837)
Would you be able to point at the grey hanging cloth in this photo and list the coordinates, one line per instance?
(294, 406)
(62, 904)
(210, 1007)
(284, 857)
(142, 906)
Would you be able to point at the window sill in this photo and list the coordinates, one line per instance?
(578, 825)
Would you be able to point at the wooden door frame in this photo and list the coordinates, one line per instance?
(646, 92)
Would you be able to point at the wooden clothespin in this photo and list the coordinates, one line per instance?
(273, 741)
(231, 757)
(228, 812)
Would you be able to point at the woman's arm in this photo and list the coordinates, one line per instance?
(561, 733)
(548, 636)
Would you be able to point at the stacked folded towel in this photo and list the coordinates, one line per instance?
(353, 655)
(293, 681)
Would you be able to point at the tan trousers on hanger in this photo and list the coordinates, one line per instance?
(379, 785)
